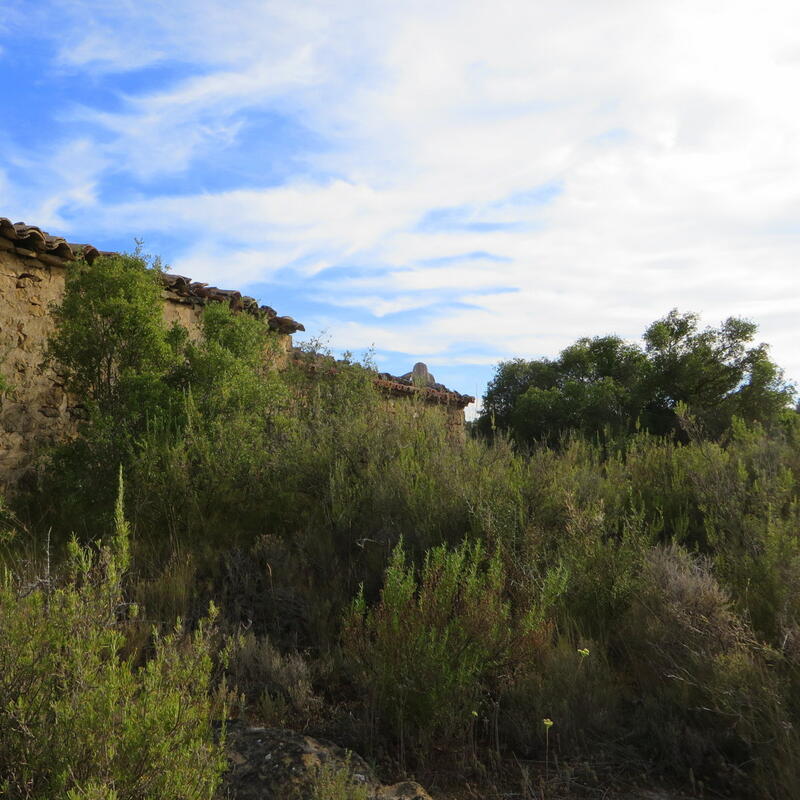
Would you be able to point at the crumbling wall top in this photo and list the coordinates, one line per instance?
(31, 242)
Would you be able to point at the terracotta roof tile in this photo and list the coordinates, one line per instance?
(389, 384)
(32, 242)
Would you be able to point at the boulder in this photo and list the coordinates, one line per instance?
(277, 764)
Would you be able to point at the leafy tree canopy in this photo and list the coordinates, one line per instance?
(135, 376)
(111, 335)
(604, 385)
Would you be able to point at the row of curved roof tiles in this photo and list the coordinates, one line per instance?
(31, 241)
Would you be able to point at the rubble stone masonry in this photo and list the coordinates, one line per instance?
(35, 410)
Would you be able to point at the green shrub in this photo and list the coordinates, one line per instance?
(436, 649)
(337, 782)
(230, 370)
(602, 566)
(158, 404)
(114, 351)
(710, 699)
(76, 718)
(111, 342)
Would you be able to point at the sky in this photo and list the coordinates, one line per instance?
(457, 183)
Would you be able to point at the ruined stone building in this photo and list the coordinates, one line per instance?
(36, 411)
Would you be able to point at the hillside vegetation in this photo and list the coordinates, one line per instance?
(605, 580)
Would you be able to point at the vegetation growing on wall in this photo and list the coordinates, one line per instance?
(430, 602)
(140, 381)
(110, 343)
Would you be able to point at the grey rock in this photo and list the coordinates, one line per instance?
(277, 764)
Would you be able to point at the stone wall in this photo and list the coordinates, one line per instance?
(451, 414)
(35, 411)
(400, 391)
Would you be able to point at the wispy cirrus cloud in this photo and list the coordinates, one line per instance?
(463, 181)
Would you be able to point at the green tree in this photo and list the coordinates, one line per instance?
(111, 342)
(512, 379)
(605, 385)
(716, 372)
(594, 386)
(597, 388)
(115, 353)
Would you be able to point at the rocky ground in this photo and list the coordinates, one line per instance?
(278, 764)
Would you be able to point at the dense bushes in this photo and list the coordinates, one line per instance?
(435, 654)
(692, 660)
(642, 592)
(77, 717)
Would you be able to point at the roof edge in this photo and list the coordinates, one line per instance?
(31, 242)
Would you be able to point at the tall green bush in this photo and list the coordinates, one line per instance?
(114, 352)
(439, 646)
(110, 342)
(77, 718)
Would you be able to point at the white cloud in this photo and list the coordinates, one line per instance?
(122, 36)
(670, 128)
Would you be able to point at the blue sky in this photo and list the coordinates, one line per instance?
(452, 182)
